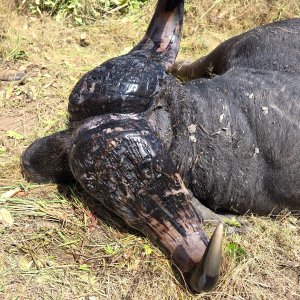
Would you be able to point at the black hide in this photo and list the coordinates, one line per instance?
(244, 155)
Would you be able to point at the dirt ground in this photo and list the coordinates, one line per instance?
(55, 242)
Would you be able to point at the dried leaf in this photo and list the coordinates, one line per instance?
(14, 135)
(11, 193)
(24, 264)
(232, 222)
(6, 218)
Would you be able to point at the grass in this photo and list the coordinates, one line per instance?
(80, 11)
(61, 245)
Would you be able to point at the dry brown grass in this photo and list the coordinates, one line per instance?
(56, 247)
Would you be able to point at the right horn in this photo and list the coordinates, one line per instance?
(163, 35)
(205, 275)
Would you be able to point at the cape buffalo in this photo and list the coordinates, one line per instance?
(138, 138)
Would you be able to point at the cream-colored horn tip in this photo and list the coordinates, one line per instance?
(219, 230)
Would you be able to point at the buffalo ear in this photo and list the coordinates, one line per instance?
(162, 38)
(47, 159)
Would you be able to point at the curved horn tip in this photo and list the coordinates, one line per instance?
(205, 275)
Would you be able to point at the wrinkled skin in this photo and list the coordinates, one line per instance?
(138, 139)
(248, 128)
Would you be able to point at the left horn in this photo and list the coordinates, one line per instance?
(163, 35)
(205, 275)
